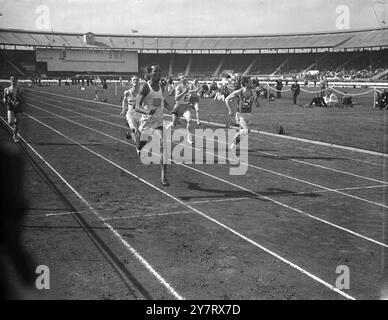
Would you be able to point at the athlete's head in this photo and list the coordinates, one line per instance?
(13, 80)
(155, 72)
(196, 80)
(182, 78)
(246, 82)
(135, 80)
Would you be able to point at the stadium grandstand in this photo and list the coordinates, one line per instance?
(356, 54)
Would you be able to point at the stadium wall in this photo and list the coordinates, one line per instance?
(88, 60)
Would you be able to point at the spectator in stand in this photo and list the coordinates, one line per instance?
(218, 96)
(163, 83)
(318, 101)
(170, 87)
(324, 85)
(213, 89)
(295, 88)
(347, 100)
(222, 93)
(381, 100)
(105, 88)
(205, 90)
(237, 83)
(225, 91)
(331, 99)
(279, 87)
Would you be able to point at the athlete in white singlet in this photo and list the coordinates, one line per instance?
(151, 103)
(128, 108)
(246, 98)
(182, 106)
(12, 98)
(194, 97)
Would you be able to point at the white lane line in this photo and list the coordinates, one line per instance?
(148, 266)
(60, 214)
(322, 167)
(222, 200)
(290, 194)
(224, 143)
(146, 215)
(257, 167)
(326, 144)
(305, 181)
(218, 125)
(339, 157)
(239, 187)
(303, 271)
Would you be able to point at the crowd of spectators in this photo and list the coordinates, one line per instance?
(352, 74)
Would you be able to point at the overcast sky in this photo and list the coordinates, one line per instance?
(191, 17)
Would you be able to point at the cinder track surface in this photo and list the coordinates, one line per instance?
(107, 228)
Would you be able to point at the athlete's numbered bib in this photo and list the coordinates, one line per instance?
(246, 105)
(156, 102)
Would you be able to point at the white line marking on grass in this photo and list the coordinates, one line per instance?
(146, 215)
(237, 186)
(74, 98)
(326, 144)
(303, 271)
(95, 212)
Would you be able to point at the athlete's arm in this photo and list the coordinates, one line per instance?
(20, 95)
(179, 93)
(256, 99)
(124, 103)
(5, 95)
(167, 106)
(229, 98)
(144, 91)
(192, 89)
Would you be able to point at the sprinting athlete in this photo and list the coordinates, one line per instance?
(246, 97)
(151, 102)
(12, 99)
(182, 106)
(194, 97)
(128, 106)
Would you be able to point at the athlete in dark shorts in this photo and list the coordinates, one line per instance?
(194, 94)
(12, 99)
(150, 102)
(246, 98)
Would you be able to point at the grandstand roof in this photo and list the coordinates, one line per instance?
(335, 40)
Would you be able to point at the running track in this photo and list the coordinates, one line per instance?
(278, 232)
